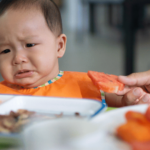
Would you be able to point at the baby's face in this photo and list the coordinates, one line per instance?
(29, 51)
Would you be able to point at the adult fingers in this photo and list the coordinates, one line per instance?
(147, 88)
(132, 97)
(136, 79)
(145, 99)
(125, 90)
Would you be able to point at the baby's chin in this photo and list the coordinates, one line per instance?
(29, 82)
(26, 84)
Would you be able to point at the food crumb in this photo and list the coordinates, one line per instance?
(77, 114)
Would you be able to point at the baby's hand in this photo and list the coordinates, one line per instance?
(137, 89)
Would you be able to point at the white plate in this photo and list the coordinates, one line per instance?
(4, 98)
(51, 105)
(105, 137)
(56, 134)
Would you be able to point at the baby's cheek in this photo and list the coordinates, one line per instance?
(3, 69)
(41, 62)
(6, 72)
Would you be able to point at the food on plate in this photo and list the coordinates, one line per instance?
(140, 145)
(14, 121)
(136, 131)
(105, 82)
(1, 101)
(137, 116)
(77, 114)
(59, 115)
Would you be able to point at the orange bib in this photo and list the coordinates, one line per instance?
(71, 84)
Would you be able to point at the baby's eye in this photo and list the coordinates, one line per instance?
(30, 45)
(5, 51)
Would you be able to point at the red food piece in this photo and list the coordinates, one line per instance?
(134, 131)
(147, 114)
(140, 145)
(137, 116)
(105, 82)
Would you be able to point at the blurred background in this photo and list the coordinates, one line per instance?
(111, 36)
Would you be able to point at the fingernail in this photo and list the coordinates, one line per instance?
(137, 92)
(145, 98)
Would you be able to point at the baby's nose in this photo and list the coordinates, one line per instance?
(19, 58)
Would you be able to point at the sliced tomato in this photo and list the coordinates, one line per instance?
(106, 82)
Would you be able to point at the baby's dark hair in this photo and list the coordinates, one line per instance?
(48, 7)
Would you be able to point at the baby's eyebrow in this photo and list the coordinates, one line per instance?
(36, 37)
(31, 37)
(4, 44)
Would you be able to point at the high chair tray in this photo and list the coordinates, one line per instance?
(50, 106)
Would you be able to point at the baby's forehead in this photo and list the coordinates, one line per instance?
(24, 10)
(48, 8)
(23, 24)
(30, 14)
(22, 17)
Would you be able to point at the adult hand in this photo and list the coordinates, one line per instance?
(137, 88)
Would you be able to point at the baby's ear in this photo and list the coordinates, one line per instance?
(62, 40)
